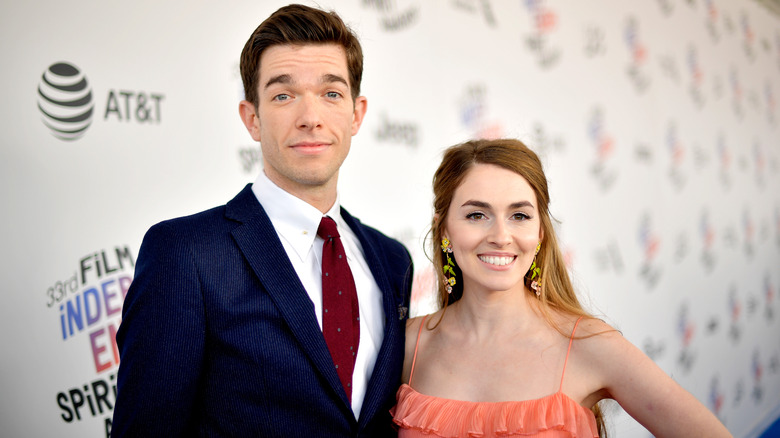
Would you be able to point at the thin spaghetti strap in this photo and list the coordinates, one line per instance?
(571, 339)
(414, 359)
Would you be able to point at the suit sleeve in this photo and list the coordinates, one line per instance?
(161, 339)
(409, 282)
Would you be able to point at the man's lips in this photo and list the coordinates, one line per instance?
(310, 146)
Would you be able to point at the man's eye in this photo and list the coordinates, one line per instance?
(333, 94)
(281, 97)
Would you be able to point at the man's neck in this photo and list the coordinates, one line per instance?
(322, 197)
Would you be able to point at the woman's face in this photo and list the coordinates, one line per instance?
(494, 227)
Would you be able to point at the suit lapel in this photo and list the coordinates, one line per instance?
(383, 372)
(260, 244)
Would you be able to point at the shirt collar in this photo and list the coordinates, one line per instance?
(294, 219)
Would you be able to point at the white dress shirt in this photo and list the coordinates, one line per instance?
(296, 223)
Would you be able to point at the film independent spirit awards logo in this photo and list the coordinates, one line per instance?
(65, 101)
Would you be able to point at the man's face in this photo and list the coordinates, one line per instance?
(305, 118)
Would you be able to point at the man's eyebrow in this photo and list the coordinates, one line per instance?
(280, 79)
(287, 79)
(330, 78)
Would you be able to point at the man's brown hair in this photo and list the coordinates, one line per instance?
(298, 25)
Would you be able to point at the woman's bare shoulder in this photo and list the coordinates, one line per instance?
(413, 324)
(590, 326)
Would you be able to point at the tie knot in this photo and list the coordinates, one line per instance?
(327, 228)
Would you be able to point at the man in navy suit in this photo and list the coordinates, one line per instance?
(222, 326)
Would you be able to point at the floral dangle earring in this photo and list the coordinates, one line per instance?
(536, 277)
(446, 247)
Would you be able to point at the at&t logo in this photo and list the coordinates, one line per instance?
(65, 101)
(67, 106)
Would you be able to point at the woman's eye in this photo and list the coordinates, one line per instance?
(520, 216)
(475, 216)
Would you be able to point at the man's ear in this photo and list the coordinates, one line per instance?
(358, 113)
(248, 114)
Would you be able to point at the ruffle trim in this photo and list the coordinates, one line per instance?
(455, 418)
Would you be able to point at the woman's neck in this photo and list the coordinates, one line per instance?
(485, 315)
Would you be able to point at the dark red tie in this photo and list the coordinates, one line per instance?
(340, 313)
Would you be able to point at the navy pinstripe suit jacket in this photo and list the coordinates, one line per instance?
(219, 338)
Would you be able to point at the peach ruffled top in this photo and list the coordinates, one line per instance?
(556, 415)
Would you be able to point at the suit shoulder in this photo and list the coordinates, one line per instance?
(375, 236)
(188, 231)
(194, 220)
(381, 237)
(243, 205)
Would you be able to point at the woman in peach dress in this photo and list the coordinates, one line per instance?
(511, 352)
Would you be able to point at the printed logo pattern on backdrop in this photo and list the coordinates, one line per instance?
(638, 54)
(681, 247)
(736, 162)
(769, 297)
(594, 41)
(484, 8)
(735, 314)
(89, 306)
(391, 17)
(251, 158)
(650, 242)
(758, 372)
(686, 330)
(604, 144)
(724, 162)
(608, 258)
(711, 22)
(704, 244)
(697, 76)
(676, 152)
(707, 232)
(666, 7)
(406, 133)
(669, 67)
(544, 22)
(89, 302)
(65, 101)
(473, 110)
(748, 37)
(545, 141)
(736, 94)
(748, 232)
(777, 49)
(716, 397)
(771, 103)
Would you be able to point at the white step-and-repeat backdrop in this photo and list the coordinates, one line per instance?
(657, 120)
